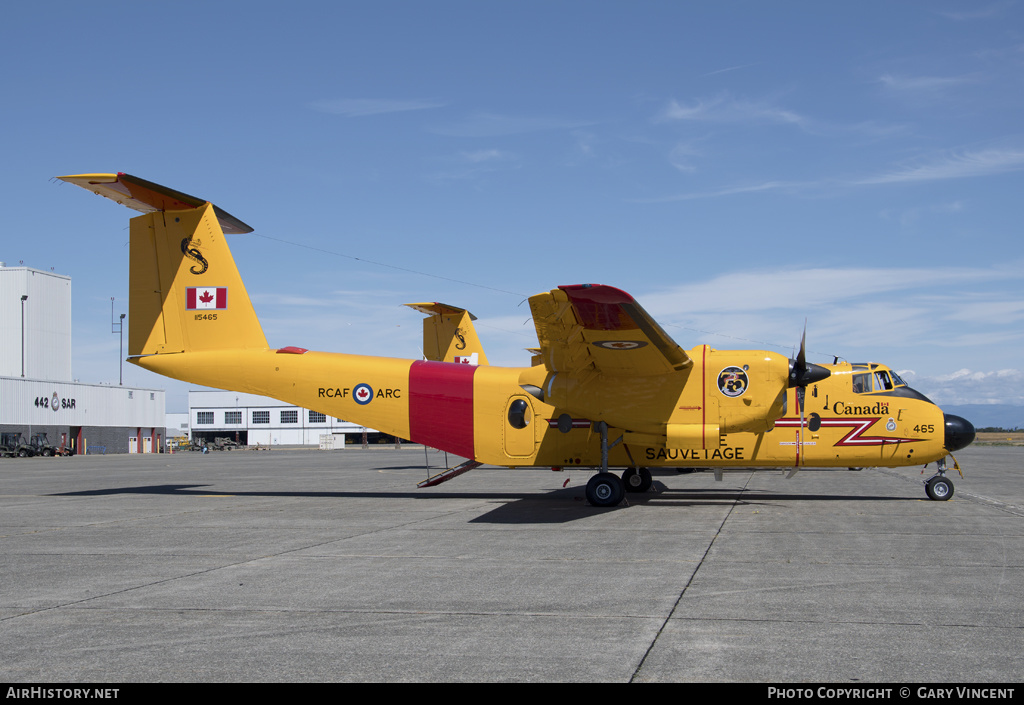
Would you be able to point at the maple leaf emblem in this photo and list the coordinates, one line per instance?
(206, 298)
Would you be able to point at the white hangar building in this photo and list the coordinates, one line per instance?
(254, 420)
(37, 393)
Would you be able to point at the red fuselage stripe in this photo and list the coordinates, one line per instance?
(441, 406)
(704, 395)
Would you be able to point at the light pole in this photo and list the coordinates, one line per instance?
(120, 362)
(118, 327)
(24, 297)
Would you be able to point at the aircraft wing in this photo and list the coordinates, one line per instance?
(591, 326)
(146, 197)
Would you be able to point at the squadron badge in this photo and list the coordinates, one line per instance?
(732, 381)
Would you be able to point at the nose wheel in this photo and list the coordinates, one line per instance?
(939, 488)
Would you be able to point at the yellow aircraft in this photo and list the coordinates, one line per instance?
(607, 388)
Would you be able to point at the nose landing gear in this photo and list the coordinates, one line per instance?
(939, 487)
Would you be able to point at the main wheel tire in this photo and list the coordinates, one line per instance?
(605, 490)
(939, 488)
(637, 481)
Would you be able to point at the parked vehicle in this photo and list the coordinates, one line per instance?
(42, 446)
(223, 443)
(12, 444)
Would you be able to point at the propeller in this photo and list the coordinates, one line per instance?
(801, 374)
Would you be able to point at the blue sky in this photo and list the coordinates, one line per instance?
(739, 167)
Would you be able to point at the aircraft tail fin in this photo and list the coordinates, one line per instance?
(449, 335)
(186, 294)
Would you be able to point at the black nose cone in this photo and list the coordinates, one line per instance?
(959, 432)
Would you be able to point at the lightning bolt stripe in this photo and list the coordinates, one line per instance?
(855, 437)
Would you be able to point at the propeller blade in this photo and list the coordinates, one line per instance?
(802, 373)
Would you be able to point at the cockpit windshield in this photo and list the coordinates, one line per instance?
(877, 381)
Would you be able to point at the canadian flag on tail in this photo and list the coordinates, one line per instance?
(213, 297)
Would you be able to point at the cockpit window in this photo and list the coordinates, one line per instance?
(861, 384)
(882, 381)
(897, 380)
(877, 381)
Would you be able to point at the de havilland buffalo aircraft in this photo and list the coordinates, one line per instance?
(607, 389)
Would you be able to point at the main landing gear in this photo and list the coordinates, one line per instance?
(637, 479)
(605, 489)
(939, 487)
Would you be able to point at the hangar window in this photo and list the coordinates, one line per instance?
(261, 417)
(290, 416)
(232, 417)
(317, 417)
(204, 417)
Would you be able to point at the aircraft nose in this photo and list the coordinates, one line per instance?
(959, 432)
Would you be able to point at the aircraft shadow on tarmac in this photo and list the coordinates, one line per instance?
(552, 507)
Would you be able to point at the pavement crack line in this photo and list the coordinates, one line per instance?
(682, 593)
(131, 588)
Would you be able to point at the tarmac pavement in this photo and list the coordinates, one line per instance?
(303, 565)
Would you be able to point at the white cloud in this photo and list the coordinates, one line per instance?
(801, 288)
(361, 107)
(959, 165)
(475, 163)
(978, 12)
(966, 386)
(494, 125)
(718, 193)
(681, 157)
(484, 155)
(725, 108)
(919, 84)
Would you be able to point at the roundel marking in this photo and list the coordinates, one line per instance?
(363, 393)
(620, 344)
(732, 381)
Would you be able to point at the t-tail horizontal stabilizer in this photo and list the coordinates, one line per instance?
(185, 292)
